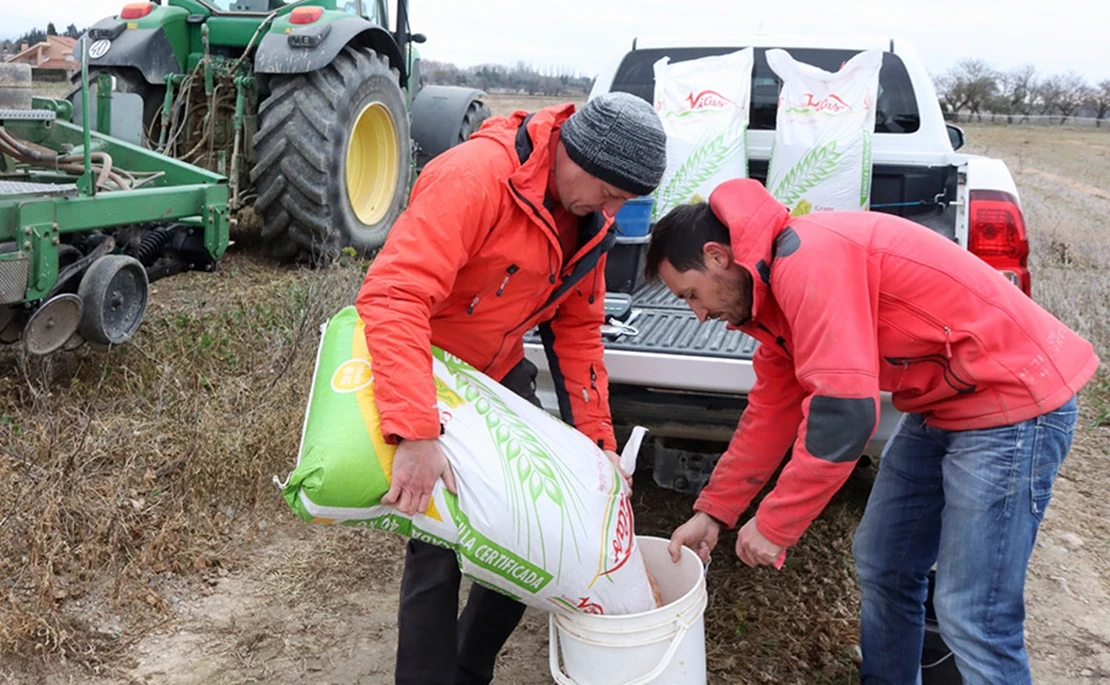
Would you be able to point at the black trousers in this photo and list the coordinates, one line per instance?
(436, 645)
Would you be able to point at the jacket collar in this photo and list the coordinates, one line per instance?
(755, 220)
(529, 136)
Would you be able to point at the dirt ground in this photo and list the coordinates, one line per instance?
(284, 602)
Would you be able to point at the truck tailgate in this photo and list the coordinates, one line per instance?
(665, 324)
(670, 349)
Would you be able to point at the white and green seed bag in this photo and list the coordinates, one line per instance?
(704, 105)
(541, 514)
(821, 159)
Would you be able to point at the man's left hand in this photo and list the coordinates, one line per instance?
(616, 459)
(754, 549)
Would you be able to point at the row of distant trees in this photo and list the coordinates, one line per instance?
(973, 87)
(35, 36)
(520, 78)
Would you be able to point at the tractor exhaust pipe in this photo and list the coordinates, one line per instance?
(401, 36)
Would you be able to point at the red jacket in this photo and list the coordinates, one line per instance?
(848, 304)
(472, 265)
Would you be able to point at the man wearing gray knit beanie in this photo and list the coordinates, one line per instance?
(618, 138)
(504, 233)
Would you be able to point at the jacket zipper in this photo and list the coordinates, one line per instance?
(508, 274)
(779, 340)
(513, 268)
(549, 227)
(948, 341)
(551, 276)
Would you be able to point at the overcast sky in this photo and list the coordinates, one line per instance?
(580, 35)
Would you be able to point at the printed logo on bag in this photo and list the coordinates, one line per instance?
(708, 99)
(620, 546)
(352, 375)
(830, 104)
(586, 606)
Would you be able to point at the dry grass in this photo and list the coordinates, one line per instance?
(507, 104)
(124, 463)
(1063, 175)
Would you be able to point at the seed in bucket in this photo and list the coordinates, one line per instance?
(654, 589)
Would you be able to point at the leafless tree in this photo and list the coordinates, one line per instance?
(1017, 88)
(1099, 101)
(1076, 92)
(970, 84)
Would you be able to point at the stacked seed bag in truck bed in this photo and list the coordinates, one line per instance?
(541, 513)
(703, 104)
(821, 159)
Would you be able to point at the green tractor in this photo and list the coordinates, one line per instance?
(313, 109)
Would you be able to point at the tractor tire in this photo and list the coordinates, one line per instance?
(333, 158)
(127, 81)
(472, 121)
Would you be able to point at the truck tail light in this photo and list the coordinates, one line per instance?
(305, 15)
(997, 235)
(136, 10)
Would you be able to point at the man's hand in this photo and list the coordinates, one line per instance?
(699, 534)
(616, 459)
(416, 466)
(756, 550)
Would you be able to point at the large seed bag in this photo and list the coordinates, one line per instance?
(821, 160)
(704, 105)
(541, 514)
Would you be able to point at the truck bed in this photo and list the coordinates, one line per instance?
(666, 325)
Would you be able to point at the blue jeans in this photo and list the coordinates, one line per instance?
(970, 502)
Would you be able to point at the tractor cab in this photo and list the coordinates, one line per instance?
(374, 11)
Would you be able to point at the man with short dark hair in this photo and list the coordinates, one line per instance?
(504, 232)
(848, 304)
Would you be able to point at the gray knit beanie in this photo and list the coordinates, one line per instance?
(618, 138)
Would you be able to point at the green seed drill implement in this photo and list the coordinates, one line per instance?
(87, 221)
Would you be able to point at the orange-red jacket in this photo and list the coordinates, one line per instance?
(848, 304)
(473, 264)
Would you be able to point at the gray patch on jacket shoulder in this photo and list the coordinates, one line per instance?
(838, 428)
(786, 244)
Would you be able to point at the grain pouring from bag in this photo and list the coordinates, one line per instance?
(654, 589)
(541, 514)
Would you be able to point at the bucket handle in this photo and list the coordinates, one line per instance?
(563, 679)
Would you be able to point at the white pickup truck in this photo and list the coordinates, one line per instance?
(688, 382)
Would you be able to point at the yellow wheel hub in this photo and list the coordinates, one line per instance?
(373, 157)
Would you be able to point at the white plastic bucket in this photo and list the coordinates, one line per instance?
(664, 646)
